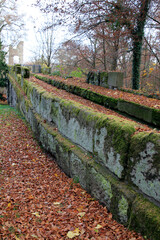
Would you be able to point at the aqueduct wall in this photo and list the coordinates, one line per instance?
(117, 166)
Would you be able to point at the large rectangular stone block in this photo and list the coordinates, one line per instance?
(111, 143)
(136, 110)
(115, 79)
(144, 163)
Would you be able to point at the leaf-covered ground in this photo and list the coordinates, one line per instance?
(37, 200)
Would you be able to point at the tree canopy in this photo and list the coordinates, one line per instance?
(117, 26)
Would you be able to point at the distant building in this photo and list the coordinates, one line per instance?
(16, 52)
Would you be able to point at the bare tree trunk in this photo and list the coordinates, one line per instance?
(115, 54)
(104, 51)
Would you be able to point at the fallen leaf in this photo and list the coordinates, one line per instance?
(33, 235)
(17, 238)
(30, 197)
(56, 203)
(9, 205)
(98, 226)
(36, 214)
(72, 234)
(81, 214)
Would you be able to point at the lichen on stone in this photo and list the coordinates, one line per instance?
(123, 209)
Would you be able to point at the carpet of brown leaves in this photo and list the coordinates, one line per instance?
(38, 201)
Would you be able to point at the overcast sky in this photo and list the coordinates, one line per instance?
(33, 19)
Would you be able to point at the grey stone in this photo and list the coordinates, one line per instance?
(115, 79)
(78, 170)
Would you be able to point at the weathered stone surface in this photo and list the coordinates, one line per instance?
(104, 79)
(45, 107)
(43, 137)
(34, 95)
(78, 131)
(144, 168)
(78, 170)
(145, 218)
(52, 144)
(115, 79)
(111, 144)
(99, 187)
(98, 78)
(156, 117)
(93, 78)
(62, 157)
(136, 110)
(12, 99)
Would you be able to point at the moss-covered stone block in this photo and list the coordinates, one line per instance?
(19, 79)
(25, 72)
(99, 187)
(77, 91)
(72, 123)
(115, 79)
(35, 93)
(136, 110)
(98, 78)
(46, 70)
(95, 97)
(145, 218)
(144, 164)
(111, 143)
(43, 137)
(17, 68)
(78, 169)
(110, 102)
(46, 106)
(156, 117)
(93, 78)
(117, 196)
(62, 157)
(104, 79)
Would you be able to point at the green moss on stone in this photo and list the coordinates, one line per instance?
(19, 78)
(27, 104)
(25, 72)
(145, 218)
(156, 117)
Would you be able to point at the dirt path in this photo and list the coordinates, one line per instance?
(37, 200)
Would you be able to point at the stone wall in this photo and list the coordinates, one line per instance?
(106, 79)
(146, 114)
(117, 166)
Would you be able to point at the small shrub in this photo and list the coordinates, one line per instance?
(77, 73)
(46, 70)
(56, 73)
